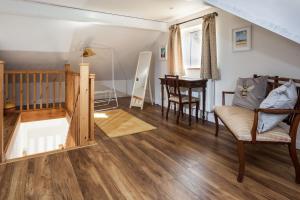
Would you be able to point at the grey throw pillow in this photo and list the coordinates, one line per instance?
(283, 97)
(250, 92)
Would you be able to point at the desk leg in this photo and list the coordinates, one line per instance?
(203, 104)
(190, 106)
(162, 99)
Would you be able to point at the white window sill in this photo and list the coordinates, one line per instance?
(192, 67)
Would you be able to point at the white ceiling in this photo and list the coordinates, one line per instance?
(161, 10)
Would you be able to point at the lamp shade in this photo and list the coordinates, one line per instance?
(88, 52)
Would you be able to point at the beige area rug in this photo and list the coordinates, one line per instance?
(118, 122)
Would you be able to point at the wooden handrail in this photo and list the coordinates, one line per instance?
(73, 132)
(34, 71)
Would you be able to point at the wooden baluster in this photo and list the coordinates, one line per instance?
(1, 113)
(14, 88)
(60, 90)
(91, 106)
(76, 88)
(67, 83)
(47, 89)
(54, 90)
(41, 90)
(6, 95)
(27, 90)
(34, 91)
(21, 92)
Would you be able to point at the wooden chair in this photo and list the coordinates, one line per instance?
(242, 123)
(174, 96)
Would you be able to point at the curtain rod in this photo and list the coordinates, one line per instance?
(214, 13)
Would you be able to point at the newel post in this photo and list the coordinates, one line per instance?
(91, 107)
(1, 112)
(84, 104)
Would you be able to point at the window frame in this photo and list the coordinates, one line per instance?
(186, 39)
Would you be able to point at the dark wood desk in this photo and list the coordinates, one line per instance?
(190, 84)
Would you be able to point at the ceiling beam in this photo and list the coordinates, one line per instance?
(72, 14)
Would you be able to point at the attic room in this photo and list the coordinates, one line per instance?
(149, 99)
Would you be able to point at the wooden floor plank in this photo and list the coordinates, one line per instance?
(64, 183)
(171, 162)
(39, 179)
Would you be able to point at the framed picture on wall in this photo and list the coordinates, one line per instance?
(241, 39)
(163, 52)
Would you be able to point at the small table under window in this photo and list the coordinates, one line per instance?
(190, 84)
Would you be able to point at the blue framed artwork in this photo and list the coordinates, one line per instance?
(241, 39)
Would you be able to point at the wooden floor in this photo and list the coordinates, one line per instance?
(171, 162)
(9, 121)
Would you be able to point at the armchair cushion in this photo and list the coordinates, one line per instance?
(250, 92)
(240, 120)
(283, 97)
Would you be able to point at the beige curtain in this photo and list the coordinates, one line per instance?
(209, 69)
(175, 63)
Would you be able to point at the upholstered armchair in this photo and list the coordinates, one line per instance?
(242, 123)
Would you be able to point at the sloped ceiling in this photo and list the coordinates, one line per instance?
(49, 33)
(33, 43)
(278, 16)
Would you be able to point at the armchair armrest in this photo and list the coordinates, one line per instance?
(276, 112)
(223, 96)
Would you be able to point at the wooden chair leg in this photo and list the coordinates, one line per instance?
(178, 115)
(168, 109)
(241, 155)
(294, 157)
(190, 114)
(217, 125)
(182, 113)
(197, 111)
(175, 109)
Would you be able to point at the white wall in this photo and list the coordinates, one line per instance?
(159, 67)
(271, 54)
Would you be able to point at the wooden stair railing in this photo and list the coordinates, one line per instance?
(36, 84)
(80, 107)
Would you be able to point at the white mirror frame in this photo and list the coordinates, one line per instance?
(138, 101)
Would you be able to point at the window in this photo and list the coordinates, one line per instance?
(191, 46)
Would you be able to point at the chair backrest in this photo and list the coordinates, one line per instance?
(172, 85)
(275, 82)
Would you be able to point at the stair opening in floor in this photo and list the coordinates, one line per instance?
(37, 137)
